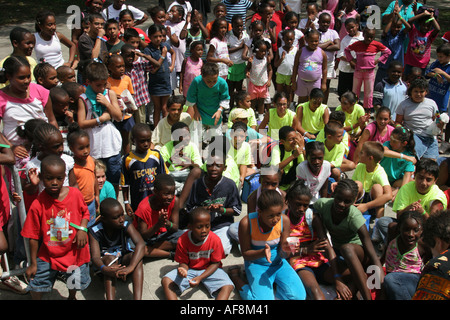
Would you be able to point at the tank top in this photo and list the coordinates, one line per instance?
(50, 51)
(258, 72)
(192, 69)
(260, 238)
(287, 64)
(310, 64)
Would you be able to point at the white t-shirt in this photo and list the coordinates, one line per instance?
(345, 66)
(315, 183)
(186, 6)
(287, 64)
(234, 42)
(111, 13)
(36, 163)
(297, 36)
(258, 72)
(418, 117)
(162, 133)
(221, 52)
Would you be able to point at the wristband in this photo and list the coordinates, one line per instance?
(101, 267)
(101, 39)
(126, 202)
(429, 20)
(5, 146)
(78, 227)
(401, 155)
(337, 275)
(98, 121)
(224, 210)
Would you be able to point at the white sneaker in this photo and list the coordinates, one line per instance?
(14, 284)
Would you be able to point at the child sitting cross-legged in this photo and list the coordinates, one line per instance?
(199, 254)
(375, 190)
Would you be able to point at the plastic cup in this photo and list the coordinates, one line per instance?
(292, 241)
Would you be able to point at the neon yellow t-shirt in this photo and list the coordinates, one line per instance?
(351, 119)
(243, 155)
(276, 158)
(321, 137)
(312, 121)
(190, 151)
(408, 194)
(368, 179)
(251, 118)
(335, 155)
(32, 63)
(276, 123)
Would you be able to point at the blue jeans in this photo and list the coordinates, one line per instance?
(261, 280)
(401, 285)
(426, 147)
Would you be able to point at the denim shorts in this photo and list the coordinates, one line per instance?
(426, 147)
(44, 279)
(213, 283)
(113, 168)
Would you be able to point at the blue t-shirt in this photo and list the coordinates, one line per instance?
(396, 168)
(439, 92)
(395, 44)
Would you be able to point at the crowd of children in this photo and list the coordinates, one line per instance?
(145, 143)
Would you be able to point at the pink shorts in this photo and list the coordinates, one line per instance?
(258, 92)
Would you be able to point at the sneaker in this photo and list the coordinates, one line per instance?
(14, 284)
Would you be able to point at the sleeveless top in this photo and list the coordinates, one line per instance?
(410, 262)
(258, 72)
(50, 51)
(260, 238)
(302, 230)
(312, 121)
(310, 65)
(287, 64)
(276, 123)
(105, 139)
(191, 70)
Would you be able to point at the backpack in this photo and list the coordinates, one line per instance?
(250, 184)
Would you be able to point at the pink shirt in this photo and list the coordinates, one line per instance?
(374, 133)
(15, 112)
(419, 48)
(365, 54)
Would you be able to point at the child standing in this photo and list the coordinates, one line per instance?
(365, 64)
(157, 219)
(199, 254)
(196, 32)
(312, 115)
(56, 228)
(259, 74)
(218, 47)
(349, 235)
(418, 53)
(139, 168)
(119, 82)
(284, 62)
(262, 236)
(111, 252)
(346, 69)
(48, 41)
(209, 96)
(236, 39)
(96, 108)
(192, 66)
(84, 169)
(329, 42)
(315, 171)
(159, 85)
(112, 33)
(174, 25)
(310, 67)
(404, 258)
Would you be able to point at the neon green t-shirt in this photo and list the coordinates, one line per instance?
(251, 118)
(336, 155)
(408, 194)
(321, 137)
(190, 152)
(276, 158)
(312, 121)
(351, 119)
(243, 155)
(368, 179)
(276, 123)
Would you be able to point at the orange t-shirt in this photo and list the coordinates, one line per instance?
(209, 26)
(119, 85)
(86, 179)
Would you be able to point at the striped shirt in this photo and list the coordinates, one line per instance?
(238, 8)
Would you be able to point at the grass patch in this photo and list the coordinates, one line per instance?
(14, 12)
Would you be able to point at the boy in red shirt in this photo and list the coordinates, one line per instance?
(56, 227)
(199, 254)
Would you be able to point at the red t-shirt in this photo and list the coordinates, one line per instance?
(5, 211)
(278, 19)
(150, 216)
(48, 219)
(199, 256)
